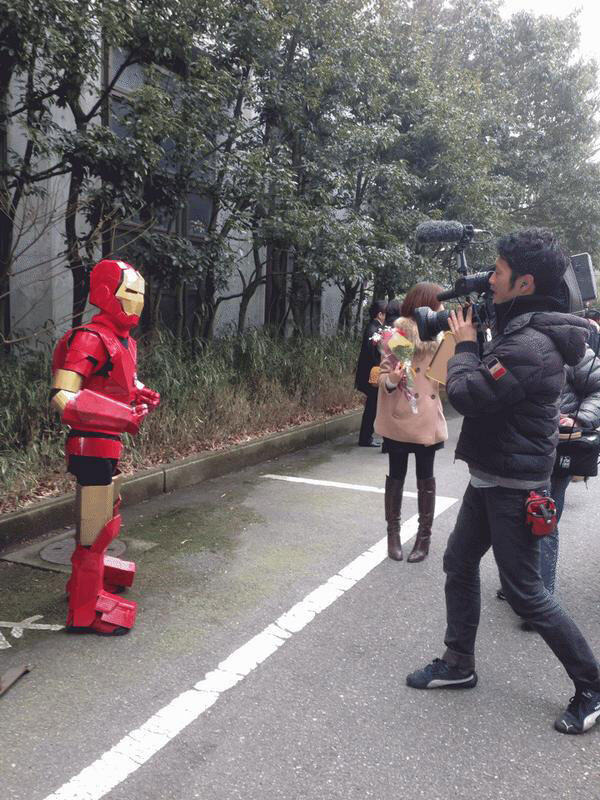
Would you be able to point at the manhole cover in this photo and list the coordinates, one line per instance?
(55, 553)
(60, 552)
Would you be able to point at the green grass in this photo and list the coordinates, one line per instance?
(231, 390)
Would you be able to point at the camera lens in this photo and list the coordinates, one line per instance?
(430, 323)
(476, 283)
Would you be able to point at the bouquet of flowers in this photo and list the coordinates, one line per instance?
(393, 341)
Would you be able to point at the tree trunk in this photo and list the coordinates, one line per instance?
(210, 306)
(348, 297)
(357, 317)
(180, 311)
(6, 237)
(243, 310)
(155, 309)
(206, 321)
(297, 302)
(314, 309)
(75, 263)
(81, 282)
(7, 215)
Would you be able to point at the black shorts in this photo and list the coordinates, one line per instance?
(91, 470)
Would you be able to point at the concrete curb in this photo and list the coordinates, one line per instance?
(22, 526)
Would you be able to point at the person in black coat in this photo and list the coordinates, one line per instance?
(593, 318)
(392, 312)
(369, 357)
(509, 395)
(579, 408)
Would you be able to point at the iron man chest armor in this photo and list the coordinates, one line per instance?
(107, 364)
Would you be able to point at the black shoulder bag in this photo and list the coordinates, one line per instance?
(578, 452)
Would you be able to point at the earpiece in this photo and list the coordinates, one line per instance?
(523, 284)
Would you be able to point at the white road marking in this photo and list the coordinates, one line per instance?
(17, 631)
(17, 628)
(358, 487)
(138, 746)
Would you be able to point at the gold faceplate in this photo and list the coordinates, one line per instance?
(131, 292)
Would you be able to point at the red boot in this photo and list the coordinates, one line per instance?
(91, 608)
(118, 573)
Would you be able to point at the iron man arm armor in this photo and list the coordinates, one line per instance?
(65, 386)
(83, 407)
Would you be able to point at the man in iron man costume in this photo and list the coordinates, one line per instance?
(96, 392)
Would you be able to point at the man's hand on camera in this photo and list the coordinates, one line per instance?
(462, 327)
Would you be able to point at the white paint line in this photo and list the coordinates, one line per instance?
(17, 628)
(30, 626)
(357, 487)
(17, 631)
(138, 746)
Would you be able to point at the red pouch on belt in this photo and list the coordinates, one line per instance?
(541, 513)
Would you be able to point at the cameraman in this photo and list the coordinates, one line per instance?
(509, 397)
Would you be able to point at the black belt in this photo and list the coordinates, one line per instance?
(94, 435)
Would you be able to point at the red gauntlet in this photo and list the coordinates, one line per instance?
(147, 396)
(89, 410)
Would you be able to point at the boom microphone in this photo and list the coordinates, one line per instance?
(440, 231)
(444, 231)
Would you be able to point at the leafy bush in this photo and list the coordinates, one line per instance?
(226, 392)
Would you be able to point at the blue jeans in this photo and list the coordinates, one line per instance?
(549, 544)
(495, 518)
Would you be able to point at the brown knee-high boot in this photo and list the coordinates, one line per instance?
(393, 504)
(426, 505)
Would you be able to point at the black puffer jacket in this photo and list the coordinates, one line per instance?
(583, 385)
(509, 396)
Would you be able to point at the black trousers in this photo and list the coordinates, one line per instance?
(368, 417)
(495, 518)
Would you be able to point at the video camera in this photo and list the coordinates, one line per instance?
(431, 323)
(578, 286)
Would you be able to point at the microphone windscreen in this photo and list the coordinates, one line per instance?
(439, 231)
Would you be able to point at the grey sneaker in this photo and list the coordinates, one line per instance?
(440, 675)
(582, 713)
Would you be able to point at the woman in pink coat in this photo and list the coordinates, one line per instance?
(405, 432)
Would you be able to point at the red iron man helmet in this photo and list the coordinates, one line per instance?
(117, 288)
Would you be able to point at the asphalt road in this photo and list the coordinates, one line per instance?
(326, 714)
